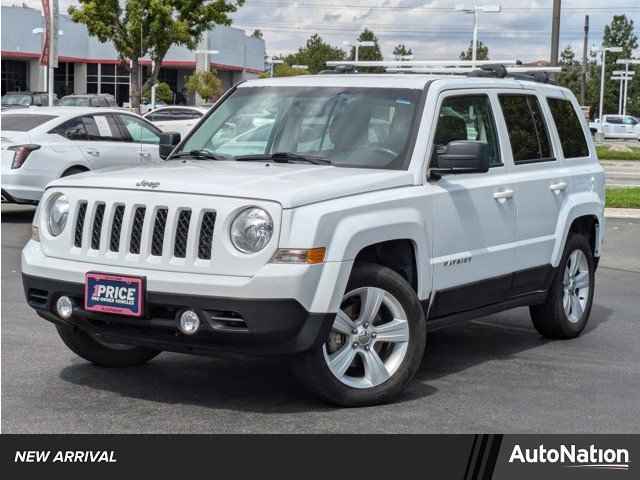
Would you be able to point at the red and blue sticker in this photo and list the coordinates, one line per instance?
(117, 294)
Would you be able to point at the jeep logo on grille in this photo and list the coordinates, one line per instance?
(148, 184)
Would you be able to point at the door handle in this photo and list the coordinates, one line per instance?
(93, 153)
(145, 155)
(503, 195)
(558, 187)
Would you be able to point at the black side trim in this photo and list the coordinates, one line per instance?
(463, 317)
(491, 291)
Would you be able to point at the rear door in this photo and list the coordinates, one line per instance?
(106, 145)
(540, 183)
(142, 135)
(474, 218)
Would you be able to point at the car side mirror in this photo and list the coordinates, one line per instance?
(461, 156)
(168, 141)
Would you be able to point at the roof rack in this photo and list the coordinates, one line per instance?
(483, 68)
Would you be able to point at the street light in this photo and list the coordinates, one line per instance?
(48, 72)
(476, 10)
(358, 44)
(624, 76)
(626, 62)
(271, 62)
(604, 65)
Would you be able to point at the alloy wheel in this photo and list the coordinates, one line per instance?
(576, 285)
(369, 338)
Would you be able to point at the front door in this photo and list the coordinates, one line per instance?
(474, 220)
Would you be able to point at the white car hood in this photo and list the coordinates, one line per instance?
(291, 185)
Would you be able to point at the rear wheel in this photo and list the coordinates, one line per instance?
(104, 354)
(375, 345)
(566, 311)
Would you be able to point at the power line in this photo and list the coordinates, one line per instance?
(332, 6)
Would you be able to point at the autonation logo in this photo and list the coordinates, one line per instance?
(573, 457)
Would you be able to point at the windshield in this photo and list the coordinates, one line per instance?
(74, 102)
(11, 99)
(350, 127)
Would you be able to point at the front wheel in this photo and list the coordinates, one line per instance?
(565, 312)
(101, 353)
(375, 345)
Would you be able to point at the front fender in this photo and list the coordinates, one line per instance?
(578, 205)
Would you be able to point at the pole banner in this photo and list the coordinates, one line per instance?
(54, 28)
(44, 56)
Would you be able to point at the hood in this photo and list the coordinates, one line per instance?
(291, 184)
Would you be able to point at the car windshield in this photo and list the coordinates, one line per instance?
(350, 127)
(12, 99)
(74, 102)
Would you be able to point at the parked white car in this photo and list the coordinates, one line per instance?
(176, 118)
(617, 126)
(413, 203)
(42, 144)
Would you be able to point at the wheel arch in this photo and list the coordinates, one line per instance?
(584, 215)
(78, 166)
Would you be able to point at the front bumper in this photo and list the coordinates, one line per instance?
(267, 326)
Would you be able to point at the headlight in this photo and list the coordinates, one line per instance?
(251, 230)
(58, 213)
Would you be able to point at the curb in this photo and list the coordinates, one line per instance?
(622, 212)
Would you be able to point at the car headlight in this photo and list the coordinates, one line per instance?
(251, 230)
(58, 214)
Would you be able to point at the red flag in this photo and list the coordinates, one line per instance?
(44, 57)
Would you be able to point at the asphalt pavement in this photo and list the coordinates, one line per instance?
(622, 173)
(495, 374)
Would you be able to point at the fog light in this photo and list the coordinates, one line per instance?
(189, 322)
(64, 307)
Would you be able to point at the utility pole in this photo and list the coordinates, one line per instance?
(583, 77)
(555, 33)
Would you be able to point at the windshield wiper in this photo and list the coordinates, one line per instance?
(284, 157)
(199, 154)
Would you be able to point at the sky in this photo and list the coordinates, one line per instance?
(431, 28)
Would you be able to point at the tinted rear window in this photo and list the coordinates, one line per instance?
(23, 123)
(574, 145)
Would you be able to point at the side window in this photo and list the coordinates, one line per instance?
(526, 126)
(139, 131)
(574, 144)
(106, 129)
(630, 121)
(74, 129)
(468, 117)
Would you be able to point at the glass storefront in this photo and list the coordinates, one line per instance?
(63, 79)
(109, 78)
(15, 75)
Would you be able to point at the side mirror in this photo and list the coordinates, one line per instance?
(461, 156)
(168, 141)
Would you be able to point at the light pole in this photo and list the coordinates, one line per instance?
(358, 44)
(626, 62)
(476, 10)
(271, 62)
(48, 72)
(604, 68)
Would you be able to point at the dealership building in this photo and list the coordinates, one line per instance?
(86, 65)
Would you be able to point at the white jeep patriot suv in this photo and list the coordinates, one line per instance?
(335, 218)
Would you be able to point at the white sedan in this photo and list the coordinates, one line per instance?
(45, 143)
(176, 118)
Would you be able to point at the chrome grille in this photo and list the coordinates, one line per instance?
(97, 226)
(182, 234)
(206, 235)
(157, 240)
(136, 230)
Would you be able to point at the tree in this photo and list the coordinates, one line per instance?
(401, 51)
(621, 33)
(571, 70)
(315, 54)
(205, 84)
(257, 34)
(367, 53)
(284, 70)
(163, 93)
(139, 28)
(482, 52)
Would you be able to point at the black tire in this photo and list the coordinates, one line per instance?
(550, 318)
(312, 370)
(74, 171)
(100, 353)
